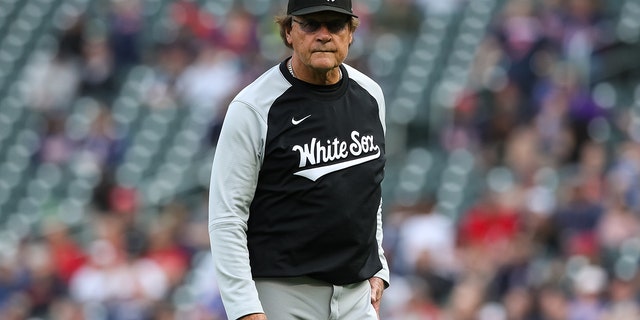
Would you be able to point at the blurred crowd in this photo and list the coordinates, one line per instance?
(554, 234)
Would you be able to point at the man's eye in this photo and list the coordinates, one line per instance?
(333, 26)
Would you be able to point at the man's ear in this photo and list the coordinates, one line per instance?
(287, 33)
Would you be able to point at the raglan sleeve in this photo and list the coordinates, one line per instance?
(384, 272)
(234, 175)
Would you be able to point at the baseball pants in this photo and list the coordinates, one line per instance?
(303, 298)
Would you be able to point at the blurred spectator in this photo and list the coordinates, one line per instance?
(552, 120)
(66, 253)
(71, 40)
(66, 308)
(518, 304)
(55, 146)
(14, 279)
(100, 198)
(466, 300)
(17, 308)
(426, 231)
(439, 284)
(170, 61)
(521, 36)
(124, 200)
(125, 27)
(623, 301)
(514, 274)
(462, 132)
(584, 30)
(522, 154)
(163, 247)
(489, 226)
(97, 71)
(588, 285)
(552, 303)
(551, 15)
(583, 110)
(206, 83)
(188, 15)
(163, 310)
(427, 250)
(121, 287)
(498, 119)
(45, 286)
(102, 145)
(624, 176)
(239, 33)
(576, 221)
(590, 169)
(418, 305)
(122, 228)
(191, 235)
(617, 225)
(53, 83)
(116, 204)
(208, 301)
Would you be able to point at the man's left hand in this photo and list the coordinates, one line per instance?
(377, 286)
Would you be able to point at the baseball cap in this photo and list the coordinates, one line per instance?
(302, 7)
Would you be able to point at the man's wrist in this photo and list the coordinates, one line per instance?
(254, 316)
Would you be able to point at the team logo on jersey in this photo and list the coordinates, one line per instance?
(329, 154)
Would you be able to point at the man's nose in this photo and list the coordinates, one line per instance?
(323, 33)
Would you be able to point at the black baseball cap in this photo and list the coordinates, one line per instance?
(302, 7)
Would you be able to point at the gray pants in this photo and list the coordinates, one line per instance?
(303, 298)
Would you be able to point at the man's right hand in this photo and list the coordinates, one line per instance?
(254, 316)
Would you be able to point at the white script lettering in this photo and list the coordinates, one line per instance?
(316, 152)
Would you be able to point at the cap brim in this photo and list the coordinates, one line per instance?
(321, 8)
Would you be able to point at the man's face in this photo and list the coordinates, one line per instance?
(321, 40)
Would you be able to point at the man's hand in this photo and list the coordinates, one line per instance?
(377, 286)
(254, 316)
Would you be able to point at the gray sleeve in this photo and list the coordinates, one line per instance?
(384, 272)
(234, 175)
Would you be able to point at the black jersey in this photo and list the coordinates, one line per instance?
(298, 169)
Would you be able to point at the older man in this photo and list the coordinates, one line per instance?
(295, 214)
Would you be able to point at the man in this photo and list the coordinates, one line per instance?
(295, 195)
